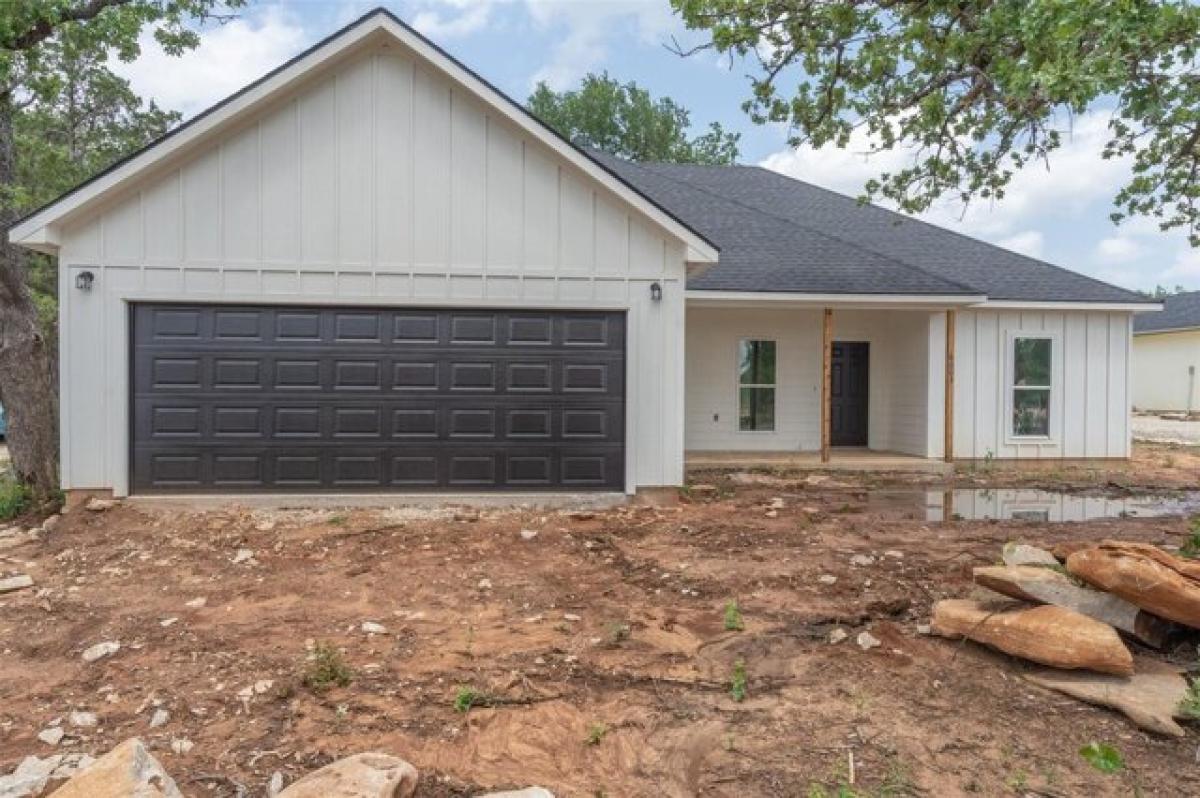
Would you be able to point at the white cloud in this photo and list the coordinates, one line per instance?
(229, 57)
(1029, 242)
(589, 29)
(449, 19)
(1186, 266)
(1119, 248)
(1076, 178)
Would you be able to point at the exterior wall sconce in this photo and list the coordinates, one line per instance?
(656, 292)
(84, 280)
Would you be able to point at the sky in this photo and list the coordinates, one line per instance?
(1059, 213)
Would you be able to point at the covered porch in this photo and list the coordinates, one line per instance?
(859, 383)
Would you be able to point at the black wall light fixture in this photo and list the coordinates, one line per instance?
(84, 280)
(656, 292)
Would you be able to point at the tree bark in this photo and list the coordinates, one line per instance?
(28, 363)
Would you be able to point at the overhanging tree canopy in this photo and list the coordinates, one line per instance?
(63, 115)
(979, 88)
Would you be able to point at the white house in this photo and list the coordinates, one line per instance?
(371, 271)
(1166, 356)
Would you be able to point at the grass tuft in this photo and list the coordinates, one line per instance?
(733, 617)
(14, 498)
(737, 684)
(327, 668)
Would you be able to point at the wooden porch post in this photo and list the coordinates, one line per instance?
(826, 381)
(951, 316)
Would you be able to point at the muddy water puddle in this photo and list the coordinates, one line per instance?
(1038, 506)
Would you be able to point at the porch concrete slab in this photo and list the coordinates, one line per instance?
(339, 501)
(855, 460)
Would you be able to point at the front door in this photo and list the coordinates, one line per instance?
(848, 414)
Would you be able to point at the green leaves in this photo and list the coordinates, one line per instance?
(624, 120)
(979, 89)
(1103, 757)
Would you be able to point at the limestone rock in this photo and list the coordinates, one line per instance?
(1151, 697)
(1047, 635)
(867, 641)
(1049, 586)
(52, 735)
(528, 792)
(98, 505)
(1144, 575)
(83, 719)
(32, 775)
(359, 776)
(18, 582)
(127, 771)
(1024, 554)
(101, 650)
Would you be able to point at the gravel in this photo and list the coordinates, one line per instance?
(1161, 430)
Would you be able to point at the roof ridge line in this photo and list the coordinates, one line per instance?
(793, 223)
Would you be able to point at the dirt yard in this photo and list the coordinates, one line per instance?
(597, 645)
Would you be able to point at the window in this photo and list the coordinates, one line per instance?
(1031, 386)
(756, 386)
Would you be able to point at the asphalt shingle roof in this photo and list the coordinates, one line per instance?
(780, 234)
(1180, 311)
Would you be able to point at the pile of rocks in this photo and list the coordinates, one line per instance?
(131, 770)
(1074, 609)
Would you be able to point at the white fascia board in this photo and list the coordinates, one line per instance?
(44, 239)
(1128, 307)
(31, 229)
(773, 298)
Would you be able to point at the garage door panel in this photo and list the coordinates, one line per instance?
(262, 399)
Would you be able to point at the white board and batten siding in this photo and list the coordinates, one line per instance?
(1166, 370)
(1091, 386)
(378, 181)
(902, 383)
(1090, 415)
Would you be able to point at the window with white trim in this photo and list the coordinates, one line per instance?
(1032, 358)
(756, 386)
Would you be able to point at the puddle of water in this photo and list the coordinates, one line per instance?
(1041, 506)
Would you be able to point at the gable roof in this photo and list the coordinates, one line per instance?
(1180, 312)
(831, 243)
(37, 229)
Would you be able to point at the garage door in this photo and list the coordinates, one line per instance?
(234, 398)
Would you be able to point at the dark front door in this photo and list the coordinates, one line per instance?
(261, 398)
(848, 415)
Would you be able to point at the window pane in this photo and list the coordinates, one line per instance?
(756, 409)
(756, 363)
(1031, 411)
(1031, 361)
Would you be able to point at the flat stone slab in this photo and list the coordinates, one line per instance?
(1045, 634)
(18, 582)
(1145, 575)
(1150, 698)
(1051, 586)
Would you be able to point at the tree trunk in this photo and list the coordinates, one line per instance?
(28, 373)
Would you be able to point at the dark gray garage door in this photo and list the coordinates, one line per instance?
(231, 398)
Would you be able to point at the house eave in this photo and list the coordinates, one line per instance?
(702, 298)
(1021, 304)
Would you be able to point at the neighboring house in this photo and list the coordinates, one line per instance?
(372, 271)
(1166, 356)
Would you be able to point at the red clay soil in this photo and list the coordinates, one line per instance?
(599, 645)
